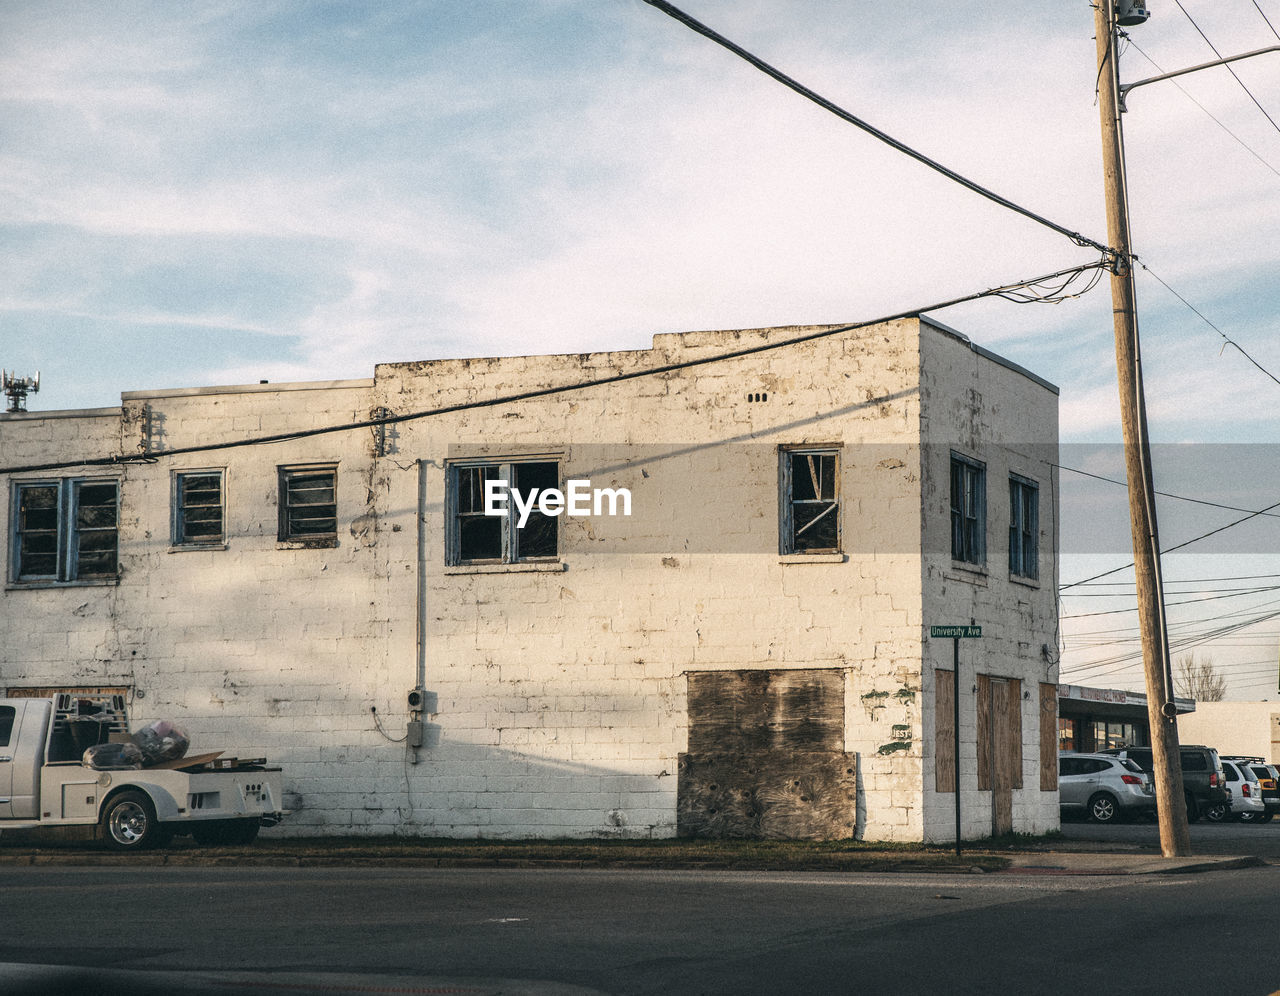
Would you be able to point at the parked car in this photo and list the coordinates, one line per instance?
(1203, 781)
(1105, 789)
(1268, 780)
(1246, 795)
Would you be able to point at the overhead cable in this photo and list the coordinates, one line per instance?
(152, 456)
(1227, 340)
(1206, 110)
(1227, 66)
(1179, 546)
(1166, 494)
(844, 115)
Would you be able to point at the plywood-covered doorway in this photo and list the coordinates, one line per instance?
(1000, 746)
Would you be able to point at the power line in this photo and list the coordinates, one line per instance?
(280, 437)
(1227, 66)
(852, 119)
(1179, 546)
(1267, 19)
(1228, 341)
(1186, 93)
(1164, 494)
(1189, 601)
(1236, 577)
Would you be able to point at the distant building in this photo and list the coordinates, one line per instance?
(1246, 729)
(1091, 719)
(745, 653)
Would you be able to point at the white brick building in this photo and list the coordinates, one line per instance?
(746, 653)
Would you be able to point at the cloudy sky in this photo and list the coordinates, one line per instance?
(218, 193)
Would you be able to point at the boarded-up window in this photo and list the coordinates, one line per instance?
(766, 756)
(944, 750)
(1048, 737)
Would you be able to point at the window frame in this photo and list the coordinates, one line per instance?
(1024, 538)
(177, 535)
(786, 501)
(69, 532)
(287, 537)
(508, 529)
(968, 524)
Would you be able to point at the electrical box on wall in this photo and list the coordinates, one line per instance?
(420, 700)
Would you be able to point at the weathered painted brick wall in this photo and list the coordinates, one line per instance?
(1009, 421)
(566, 688)
(559, 694)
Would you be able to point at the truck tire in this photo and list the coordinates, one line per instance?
(129, 823)
(211, 833)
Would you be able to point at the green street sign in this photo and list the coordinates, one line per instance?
(955, 632)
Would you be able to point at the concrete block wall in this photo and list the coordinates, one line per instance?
(1001, 415)
(559, 689)
(691, 581)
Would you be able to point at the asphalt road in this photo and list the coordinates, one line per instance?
(204, 930)
(1262, 839)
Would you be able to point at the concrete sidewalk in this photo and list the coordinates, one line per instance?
(1092, 862)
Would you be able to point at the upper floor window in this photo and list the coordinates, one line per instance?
(475, 489)
(811, 501)
(1024, 527)
(66, 530)
(198, 508)
(309, 505)
(968, 510)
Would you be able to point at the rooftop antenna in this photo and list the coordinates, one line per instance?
(17, 388)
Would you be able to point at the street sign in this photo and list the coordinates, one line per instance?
(955, 632)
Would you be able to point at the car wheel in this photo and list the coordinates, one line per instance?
(1103, 808)
(1249, 818)
(1265, 817)
(129, 823)
(1217, 812)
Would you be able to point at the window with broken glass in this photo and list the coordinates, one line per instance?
(477, 538)
(811, 501)
(1024, 527)
(309, 505)
(198, 508)
(66, 531)
(968, 510)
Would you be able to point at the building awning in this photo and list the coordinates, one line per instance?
(1081, 699)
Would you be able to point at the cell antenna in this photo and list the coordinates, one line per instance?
(17, 388)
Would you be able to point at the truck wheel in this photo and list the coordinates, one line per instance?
(227, 832)
(129, 823)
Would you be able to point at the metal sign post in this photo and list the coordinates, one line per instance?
(956, 633)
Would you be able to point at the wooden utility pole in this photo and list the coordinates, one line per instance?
(1175, 838)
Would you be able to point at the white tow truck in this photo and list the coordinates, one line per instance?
(44, 782)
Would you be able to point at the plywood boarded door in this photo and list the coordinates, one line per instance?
(1000, 746)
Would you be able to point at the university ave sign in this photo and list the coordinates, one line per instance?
(955, 632)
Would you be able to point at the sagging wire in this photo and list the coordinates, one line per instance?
(1042, 292)
(542, 392)
(377, 722)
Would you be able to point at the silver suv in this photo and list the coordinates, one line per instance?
(1103, 788)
